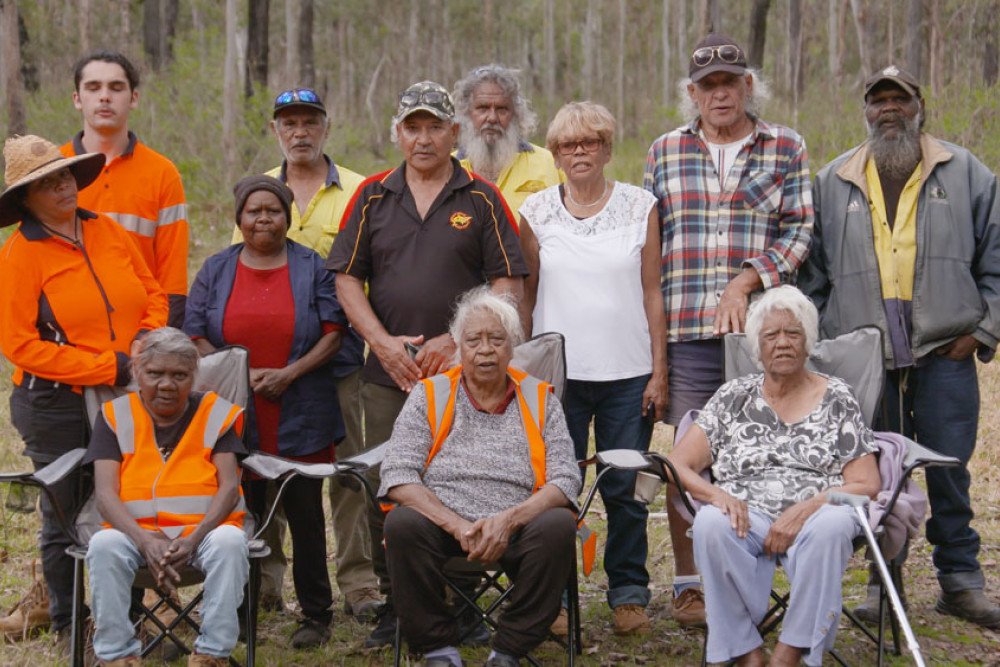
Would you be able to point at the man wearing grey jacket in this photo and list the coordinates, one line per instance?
(907, 238)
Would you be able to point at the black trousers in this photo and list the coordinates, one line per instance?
(52, 421)
(538, 560)
(303, 505)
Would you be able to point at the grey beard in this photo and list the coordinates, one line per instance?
(488, 160)
(896, 157)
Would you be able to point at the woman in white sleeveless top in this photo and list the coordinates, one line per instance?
(593, 249)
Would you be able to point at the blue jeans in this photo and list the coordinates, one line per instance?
(939, 403)
(112, 561)
(615, 407)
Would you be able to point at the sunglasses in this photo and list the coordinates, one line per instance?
(727, 53)
(434, 98)
(299, 95)
(569, 147)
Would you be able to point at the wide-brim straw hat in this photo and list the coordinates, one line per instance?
(30, 158)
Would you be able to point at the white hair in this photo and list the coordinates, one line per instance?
(165, 340)
(790, 300)
(525, 121)
(484, 299)
(755, 103)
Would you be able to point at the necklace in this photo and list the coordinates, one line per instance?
(569, 196)
(74, 239)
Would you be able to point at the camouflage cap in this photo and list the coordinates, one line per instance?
(901, 78)
(426, 96)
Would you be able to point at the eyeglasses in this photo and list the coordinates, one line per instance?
(569, 147)
(299, 95)
(727, 53)
(434, 98)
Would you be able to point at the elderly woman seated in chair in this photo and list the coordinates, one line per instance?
(167, 484)
(480, 465)
(776, 443)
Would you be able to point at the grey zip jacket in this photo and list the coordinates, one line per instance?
(956, 282)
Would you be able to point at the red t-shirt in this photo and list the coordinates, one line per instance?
(260, 316)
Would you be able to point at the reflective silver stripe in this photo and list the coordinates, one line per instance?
(442, 392)
(134, 223)
(172, 214)
(197, 505)
(216, 420)
(124, 424)
(529, 390)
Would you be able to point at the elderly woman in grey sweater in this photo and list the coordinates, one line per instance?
(493, 480)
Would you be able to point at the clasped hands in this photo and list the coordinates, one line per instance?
(165, 558)
(485, 540)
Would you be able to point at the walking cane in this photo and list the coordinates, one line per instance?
(859, 503)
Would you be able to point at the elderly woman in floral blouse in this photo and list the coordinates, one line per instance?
(776, 443)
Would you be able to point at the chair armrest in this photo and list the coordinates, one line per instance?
(370, 458)
(275, 467)
(62, 466)
(920, 456)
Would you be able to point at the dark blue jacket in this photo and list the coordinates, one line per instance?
(310, 412)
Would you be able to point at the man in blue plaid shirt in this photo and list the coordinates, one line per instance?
(736, 217)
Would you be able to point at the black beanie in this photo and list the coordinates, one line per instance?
(247, 186)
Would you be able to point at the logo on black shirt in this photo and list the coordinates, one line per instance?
(460, 220)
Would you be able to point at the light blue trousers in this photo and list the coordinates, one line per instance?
(737, 581)
(112, 561)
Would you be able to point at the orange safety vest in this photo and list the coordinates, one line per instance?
(531, 396)
(171, 496)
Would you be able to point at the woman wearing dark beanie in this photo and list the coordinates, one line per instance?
(273, 296)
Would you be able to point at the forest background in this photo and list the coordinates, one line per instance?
(211, 69)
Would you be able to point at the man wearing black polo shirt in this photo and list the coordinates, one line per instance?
(419, 235)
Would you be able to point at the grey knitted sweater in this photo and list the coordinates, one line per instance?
(484, 465)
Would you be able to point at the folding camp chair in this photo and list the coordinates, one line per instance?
(226, 371)
(543, 357)
(855, 357)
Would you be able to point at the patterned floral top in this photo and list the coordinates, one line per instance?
(771, 465)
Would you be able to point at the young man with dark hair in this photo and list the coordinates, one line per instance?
(138, 187)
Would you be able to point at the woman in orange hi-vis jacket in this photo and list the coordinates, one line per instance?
(74, 295)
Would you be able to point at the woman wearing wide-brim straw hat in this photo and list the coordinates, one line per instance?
(74, 295)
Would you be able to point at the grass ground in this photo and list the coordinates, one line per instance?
(943, 640)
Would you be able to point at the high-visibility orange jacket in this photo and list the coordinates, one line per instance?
(171, 496)
(69, 313)
(142, 191)
(531, 395)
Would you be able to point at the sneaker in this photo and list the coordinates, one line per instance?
(560, 626)
(631, 619)
(971, 605)
(207, 660)
(310, 633)
(363, 604)
(31, 614)
(502, 660)
(689, 608)
(384, 633)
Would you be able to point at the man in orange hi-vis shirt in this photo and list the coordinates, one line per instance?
(138, 187)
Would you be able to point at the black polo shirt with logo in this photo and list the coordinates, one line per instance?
(417, 268)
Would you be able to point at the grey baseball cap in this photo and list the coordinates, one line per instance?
(426, 96)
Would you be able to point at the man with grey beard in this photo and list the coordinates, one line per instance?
(907, 238)
(495, 121)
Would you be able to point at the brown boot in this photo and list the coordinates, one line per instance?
(631, 619)
(207, 660)
(127, 661)
(31, 614)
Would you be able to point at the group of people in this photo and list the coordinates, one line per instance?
(441, 266)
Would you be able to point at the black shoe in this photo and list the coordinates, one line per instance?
(971, 605)
(471, 627)
(384, 633)
(310, 633)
